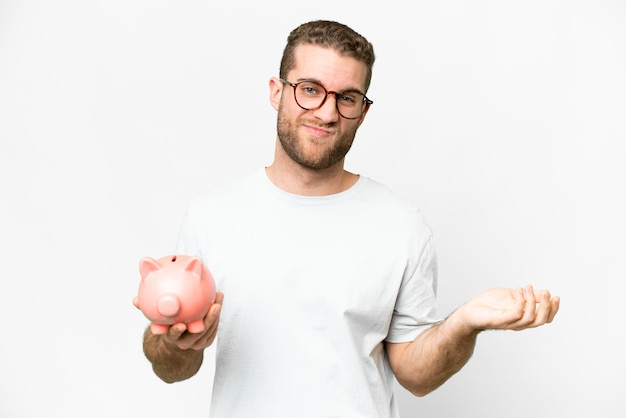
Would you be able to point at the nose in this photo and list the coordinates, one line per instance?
(328, 111)
(168, 305)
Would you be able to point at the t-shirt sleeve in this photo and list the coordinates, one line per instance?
(416, 306)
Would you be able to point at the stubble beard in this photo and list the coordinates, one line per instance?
(330, 156)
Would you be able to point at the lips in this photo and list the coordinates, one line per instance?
(318, 131)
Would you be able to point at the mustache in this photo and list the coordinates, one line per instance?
(317, 124)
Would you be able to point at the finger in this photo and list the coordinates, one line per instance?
(186, 340)
(513, 314)
(539, 294)
(205, 338)
(214, 311)
(530, 305)
(219, 298)
(212, 323)
(214, 320)
(176, 330)
(527, 302)
(544, 308)
(555, 303)
(520, 304)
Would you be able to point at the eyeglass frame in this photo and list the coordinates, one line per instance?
(367, 101)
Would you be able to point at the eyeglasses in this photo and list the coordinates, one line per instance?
(309, 95)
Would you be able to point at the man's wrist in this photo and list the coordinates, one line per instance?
(458, 324)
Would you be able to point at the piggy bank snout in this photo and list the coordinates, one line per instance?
(168, 305)
(175, 289)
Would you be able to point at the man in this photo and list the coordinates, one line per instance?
(330, 278)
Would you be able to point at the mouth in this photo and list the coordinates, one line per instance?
(318, 132)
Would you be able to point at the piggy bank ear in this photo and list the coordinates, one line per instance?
(147, 265)
(194, 264)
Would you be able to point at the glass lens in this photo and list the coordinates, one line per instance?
(310, 95)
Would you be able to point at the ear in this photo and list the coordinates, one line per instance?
(147, 265)
(276, 92)
(194, 265)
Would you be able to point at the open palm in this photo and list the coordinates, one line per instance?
(513, 309)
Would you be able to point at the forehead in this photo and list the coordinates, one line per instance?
(336, 72)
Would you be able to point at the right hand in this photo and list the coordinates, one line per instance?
(179, 337)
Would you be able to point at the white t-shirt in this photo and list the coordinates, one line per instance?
(313, 286)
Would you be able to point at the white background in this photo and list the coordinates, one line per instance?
(504, 121)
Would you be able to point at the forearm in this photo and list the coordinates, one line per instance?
(170, 363)
(435, 356)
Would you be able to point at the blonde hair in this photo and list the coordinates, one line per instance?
(326, 33)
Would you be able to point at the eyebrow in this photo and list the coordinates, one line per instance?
(348, 90)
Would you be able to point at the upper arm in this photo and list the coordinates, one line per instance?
(395, 354)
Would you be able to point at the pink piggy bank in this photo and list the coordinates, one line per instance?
(173, 289)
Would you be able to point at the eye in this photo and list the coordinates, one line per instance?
(348, 99)
(310, 89)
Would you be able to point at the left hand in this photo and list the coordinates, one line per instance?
(511, 309)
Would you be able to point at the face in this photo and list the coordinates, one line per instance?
(317, 139)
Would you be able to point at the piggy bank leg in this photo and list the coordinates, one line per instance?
(195, 326)
(159, 328)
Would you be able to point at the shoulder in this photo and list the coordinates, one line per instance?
(384, 198)
(393, 213)
(228, 193)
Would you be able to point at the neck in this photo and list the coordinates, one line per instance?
(296, 179)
